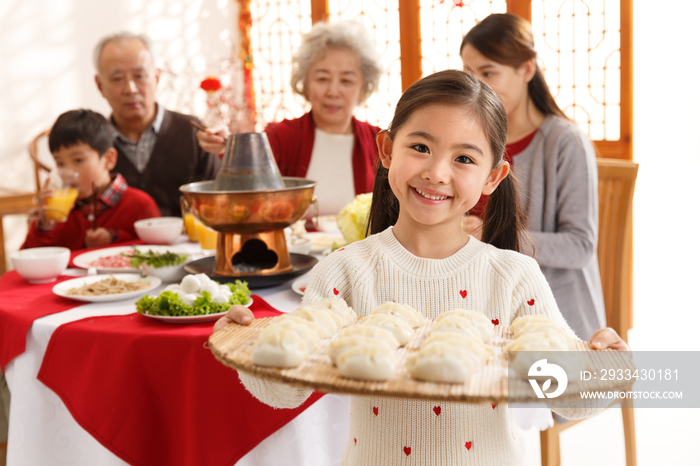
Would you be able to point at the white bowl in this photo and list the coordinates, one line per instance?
(159, 230)
(41, 265)
(299, 245)
(167, 274)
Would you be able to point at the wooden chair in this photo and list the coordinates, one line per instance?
(616, 179)
(14, 202)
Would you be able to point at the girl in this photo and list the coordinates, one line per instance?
(443, 150)
(554, 161)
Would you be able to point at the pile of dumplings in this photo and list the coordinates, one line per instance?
(192, 286)
(537, 337)
(455, 348)
(368, 350)
(291, 338)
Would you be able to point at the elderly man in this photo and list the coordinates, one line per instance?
(158, 150)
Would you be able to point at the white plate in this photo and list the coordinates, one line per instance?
(321, 241)
(83, 260)
(299, 285)
(193, 319)
(62, 288)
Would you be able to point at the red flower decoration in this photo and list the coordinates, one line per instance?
(210, 84)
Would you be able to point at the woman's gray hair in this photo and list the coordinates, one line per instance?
(350, 35)
(124, 35)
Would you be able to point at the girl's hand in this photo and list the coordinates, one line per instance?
(608, 338)
(97, 238)
(236, 313)
(213, 140)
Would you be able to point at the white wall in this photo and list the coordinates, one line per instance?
(46, 65)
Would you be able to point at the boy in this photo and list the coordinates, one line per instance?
(81, 142)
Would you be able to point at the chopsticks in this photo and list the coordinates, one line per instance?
(198, 126)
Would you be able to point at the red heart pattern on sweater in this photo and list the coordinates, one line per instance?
(463, 293)
(494, 321)
(468, 445)
(493, 406)
(355, 441)
(531, 302)
(341, 249)
(407, 450)
(335, 291)
(375, 410)
(437, 410)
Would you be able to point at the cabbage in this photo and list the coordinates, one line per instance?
(352, 219)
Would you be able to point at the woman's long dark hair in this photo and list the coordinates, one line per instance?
(502, 224)
(507, 39)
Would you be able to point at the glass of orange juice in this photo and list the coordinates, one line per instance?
(64, 184)
(189, 219)
(206, 236)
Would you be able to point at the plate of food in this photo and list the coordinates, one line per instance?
(111, 260)
(98, 288)
(322, 241)
(197, 298)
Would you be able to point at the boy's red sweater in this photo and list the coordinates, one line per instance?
(133, 205)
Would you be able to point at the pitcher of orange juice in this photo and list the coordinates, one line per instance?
(64, 184)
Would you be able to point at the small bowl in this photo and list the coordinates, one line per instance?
(299, 245)
(40, 265)
(167, 274)
(159, 230)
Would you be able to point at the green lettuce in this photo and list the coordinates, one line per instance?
(169, 303)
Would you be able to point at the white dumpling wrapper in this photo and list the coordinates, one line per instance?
(310, 332)
(402, 311)
(554, 341)
(401, 330)
(367, 362)
(573, 362)
(474, 345)
(524, 320)
(279, 347)
(339, 345)
(339, 307)
(456, 324)
(478, 320)
(371, 331)
(326, 319)
(443, 363)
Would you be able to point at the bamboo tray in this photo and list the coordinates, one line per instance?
(233, 346)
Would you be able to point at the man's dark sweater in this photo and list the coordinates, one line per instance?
(177, 159)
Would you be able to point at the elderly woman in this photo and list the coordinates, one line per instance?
(555, 164)
(336, 68)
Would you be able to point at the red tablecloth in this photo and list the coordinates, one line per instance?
(21, 303)
(152, 393)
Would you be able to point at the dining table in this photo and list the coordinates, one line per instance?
(99, 384)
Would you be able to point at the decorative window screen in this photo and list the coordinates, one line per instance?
(578, 45)
(584, 49)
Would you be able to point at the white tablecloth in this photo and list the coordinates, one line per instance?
(42, 432)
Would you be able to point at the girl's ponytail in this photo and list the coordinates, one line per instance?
(503, 225)
(384, 210)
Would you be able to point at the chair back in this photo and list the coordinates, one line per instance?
(39, 166)
(616, 180)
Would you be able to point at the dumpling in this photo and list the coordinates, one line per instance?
(279, 347)
(403, 311)
(520, 321)
(326, 319)
(443, 363)
(370, 331)
(401, 330)
(309, 331)
(478, 320)
(339, 345)
(451, 339)
(456, 324)
(539, 327)
(554, 341)
(339, 307)
(367, 362)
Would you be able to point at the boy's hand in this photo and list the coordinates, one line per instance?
(39, 212)
(608, 338)
(214, 139)
(97, 238)
(236, 313)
